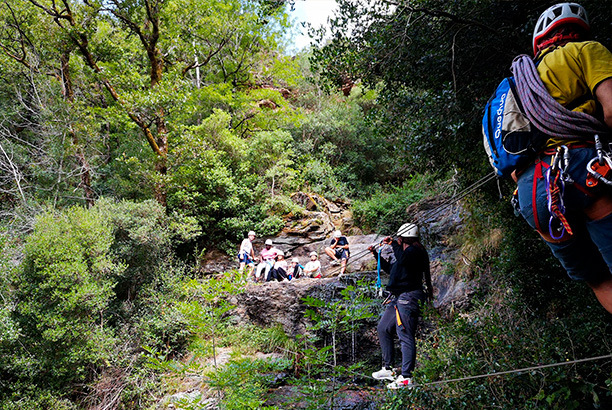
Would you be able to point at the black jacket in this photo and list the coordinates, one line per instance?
(408, 271)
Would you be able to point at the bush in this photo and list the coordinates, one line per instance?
(63, 289)
(93, 287)
(385, 209)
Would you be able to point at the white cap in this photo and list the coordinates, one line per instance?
(408, 230)
(296, 260)
(268, 241)
(280, 253)
(337, 234)
(313, 253)
(251, 233)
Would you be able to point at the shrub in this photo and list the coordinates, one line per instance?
(385, 209)
(63, 290)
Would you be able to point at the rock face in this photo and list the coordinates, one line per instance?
(271, 303)
(313, 230)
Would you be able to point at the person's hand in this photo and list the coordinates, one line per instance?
(388, 240)
(371, 247)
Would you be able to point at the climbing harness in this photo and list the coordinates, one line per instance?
(555, 188)
(600, 167)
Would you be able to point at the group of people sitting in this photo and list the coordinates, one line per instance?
(272, 264)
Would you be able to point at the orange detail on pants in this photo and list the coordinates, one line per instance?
(398, 319)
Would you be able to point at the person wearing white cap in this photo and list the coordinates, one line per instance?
(279, 271)
(338, 251)
(295, 270)
(313, 268)
(246, 254)
(406, 277)
(267, 257)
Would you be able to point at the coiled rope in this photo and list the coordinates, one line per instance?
(544, 111)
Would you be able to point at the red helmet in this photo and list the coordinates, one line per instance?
(558, 15)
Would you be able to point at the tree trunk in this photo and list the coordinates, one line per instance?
(68, 91)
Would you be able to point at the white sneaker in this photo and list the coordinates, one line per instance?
(401, 383)
(384, 374)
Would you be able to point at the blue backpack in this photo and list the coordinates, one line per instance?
(509, 138)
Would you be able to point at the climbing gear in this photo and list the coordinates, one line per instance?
(521, 116)
(515, 203)
(408, 230)
(509, 138)
(555, 188)
(378, 281)
(398, 318)
(555, 16)
(400, 383)
(384, 374)
(600, 167)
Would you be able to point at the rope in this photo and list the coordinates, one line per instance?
(525, 369)
(430, 214)
(480, 376)
(544, 112)
(378, 281)
(459, 196)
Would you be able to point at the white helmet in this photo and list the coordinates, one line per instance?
(251, 233)
(268, 242)
(280, 253)
(295, 260)
(313, 253)
(337, 234)
(555, 16)
(408, 230)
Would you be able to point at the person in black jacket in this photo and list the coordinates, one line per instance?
(406, 276)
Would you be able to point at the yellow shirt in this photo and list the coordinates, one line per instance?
(576, 69)
(571, 71)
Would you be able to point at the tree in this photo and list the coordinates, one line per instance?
(135, 60)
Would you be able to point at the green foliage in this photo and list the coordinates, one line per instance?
(385, 209)
(8, 328)
(244, 382)
(63, 291)
(67, 300)
(508, 337)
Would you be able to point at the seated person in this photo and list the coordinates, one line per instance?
(267, 258)
(313, 268)
(279, 271)
(295, 270)
(338, 251)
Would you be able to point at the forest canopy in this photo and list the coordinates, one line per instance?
(136, 135)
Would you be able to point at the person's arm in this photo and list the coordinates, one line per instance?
(384, 264)
(603, 92)
(334, 243)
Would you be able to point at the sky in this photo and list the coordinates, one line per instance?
(314, 12)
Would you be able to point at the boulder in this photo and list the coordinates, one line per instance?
(271, 303)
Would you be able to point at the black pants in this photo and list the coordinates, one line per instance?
(406, 306)
(278, 274)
